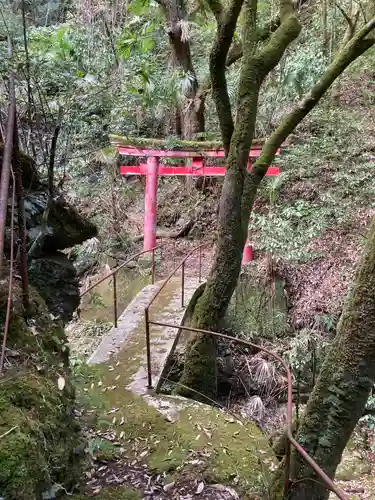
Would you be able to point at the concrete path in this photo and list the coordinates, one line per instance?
(126, 343)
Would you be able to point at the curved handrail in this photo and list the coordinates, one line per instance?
(115, 271)
(173, 272)
(326, 480)
(158, 291)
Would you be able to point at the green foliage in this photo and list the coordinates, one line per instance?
(137, 37)
(306, 353)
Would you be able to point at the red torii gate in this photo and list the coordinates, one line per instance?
(196, 167)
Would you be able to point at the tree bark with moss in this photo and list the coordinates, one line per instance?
(189, 115)
(240, 187)
(341, 391)
(199, 371)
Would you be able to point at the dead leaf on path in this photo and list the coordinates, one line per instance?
(168, 487)
(200, 488)
(207, 432)
(61, 383)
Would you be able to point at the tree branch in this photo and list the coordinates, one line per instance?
(226, 21)
(7, 158)
(51, 163)
(216, 8)
(351, 51)
(345, 15)
(264, 32)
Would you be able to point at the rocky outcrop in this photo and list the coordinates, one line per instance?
(52, 224)
(56, 280)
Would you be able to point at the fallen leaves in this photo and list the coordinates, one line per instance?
(61, 383)
(200, 488)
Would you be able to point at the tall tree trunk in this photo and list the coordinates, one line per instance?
(341, 391)
(199, 369)
(192, 110)
(240, 188)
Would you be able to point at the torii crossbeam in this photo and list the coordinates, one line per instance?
(153, 150)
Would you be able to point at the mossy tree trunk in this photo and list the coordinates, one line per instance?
(199, 370)
(341, 391)
(240, 187)
(190, 117)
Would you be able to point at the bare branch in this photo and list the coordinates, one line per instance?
(264, 33)
(7, 158)
(345, 15)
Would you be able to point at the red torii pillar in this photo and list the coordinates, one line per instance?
(151, 194)
(152, 169)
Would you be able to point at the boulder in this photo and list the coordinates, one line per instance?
(51, 225)
(56, 280)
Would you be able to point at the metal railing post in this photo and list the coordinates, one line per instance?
(153, 266)
(287, 468)
(148, 350)
(182, 284)
(115, 299)
(200, 264)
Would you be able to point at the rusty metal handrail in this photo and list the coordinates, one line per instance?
(115, 271)
(291, 441)
(157, 292)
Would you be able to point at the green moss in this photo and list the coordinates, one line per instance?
(171, 144)
(38, 450)
(121, 493)
(199, 370)
(229, 452)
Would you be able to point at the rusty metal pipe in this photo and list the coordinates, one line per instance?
(10, 284)
(150, 302)
(148, 349)
(153, 266)
(171, 274)
(182, 284)
(115, 299)
(134, 256)
(326, 480)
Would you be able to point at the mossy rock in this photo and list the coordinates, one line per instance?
(353, 466)
(36, 423)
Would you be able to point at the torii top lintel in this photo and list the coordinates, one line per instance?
(196, 151)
